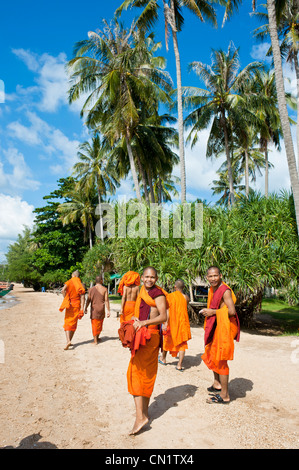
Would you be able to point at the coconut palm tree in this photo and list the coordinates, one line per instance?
(221, 186)
(96, 170)
(287, 12)
(80, 207)
(118, 71)
(282, 105)
(217, 104)
(247, 152)
(174, 21)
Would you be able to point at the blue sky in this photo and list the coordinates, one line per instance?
(40, 132)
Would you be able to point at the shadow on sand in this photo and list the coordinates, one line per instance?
(31, 442)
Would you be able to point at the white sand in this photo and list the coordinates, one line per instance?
(78, 399)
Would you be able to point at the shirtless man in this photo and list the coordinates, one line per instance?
(98, 300)
(129, 295)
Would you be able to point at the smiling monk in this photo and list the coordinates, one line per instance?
(150, 312)
(221, 328)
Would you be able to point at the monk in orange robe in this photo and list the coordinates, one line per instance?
(73, 303)
(177, 328)
(98, 299)
(150, 312)
(221, 328)
(129, 290)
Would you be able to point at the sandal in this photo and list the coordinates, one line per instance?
(213, 389)
(217, 399)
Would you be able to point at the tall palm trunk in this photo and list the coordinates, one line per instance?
(297, 131)
(266, 169)
(228, 159)
(246, 173)
(101, 215)
(180, 103)
(282, 106)
(150, 183)
(132, 166)
(89, 234)
(144, 182)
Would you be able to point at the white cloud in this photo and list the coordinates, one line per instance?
(52, 81)
(15, 214)
(200, 171)
(50, 141)
(259, 51)
(20, 177)
(29, 58)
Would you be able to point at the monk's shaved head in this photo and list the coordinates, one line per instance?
(179, 284)
(99, 279)
(76, 273)
(214, 267)
(150, 268)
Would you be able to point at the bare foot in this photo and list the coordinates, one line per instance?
(138, 425)
(68, 345)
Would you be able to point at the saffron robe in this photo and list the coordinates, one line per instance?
(143, 366)
(72, 304)
(219, 342)
(128, 311)
(129, 279)
(179, 332)
(96, 326)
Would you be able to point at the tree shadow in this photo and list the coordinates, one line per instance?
(31, 442)
(192, 361)
(170, 398)
(238, 388)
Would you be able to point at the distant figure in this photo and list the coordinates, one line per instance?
(129, 289)
(97, 298)
(177, 328)
(73, 303)
(221, 328)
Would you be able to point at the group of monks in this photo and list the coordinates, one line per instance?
(152, 320)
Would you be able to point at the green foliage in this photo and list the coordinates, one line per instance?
(20, 266)
(255, 244)
(49, 254)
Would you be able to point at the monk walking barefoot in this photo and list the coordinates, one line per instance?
(150, 311)
(73, 303)
(176, 330)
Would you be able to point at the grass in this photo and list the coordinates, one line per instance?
(116, 299)
(287, 316)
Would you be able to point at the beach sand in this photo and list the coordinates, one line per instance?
(78, 399)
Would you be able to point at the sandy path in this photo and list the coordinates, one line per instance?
(78, 399)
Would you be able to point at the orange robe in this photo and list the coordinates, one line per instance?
(96, 326)
(72, 304)
(128, 279)
(221, 348)
(128, 311)
(179, 327)
(143, 366)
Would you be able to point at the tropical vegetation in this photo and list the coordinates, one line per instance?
(136, 117)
